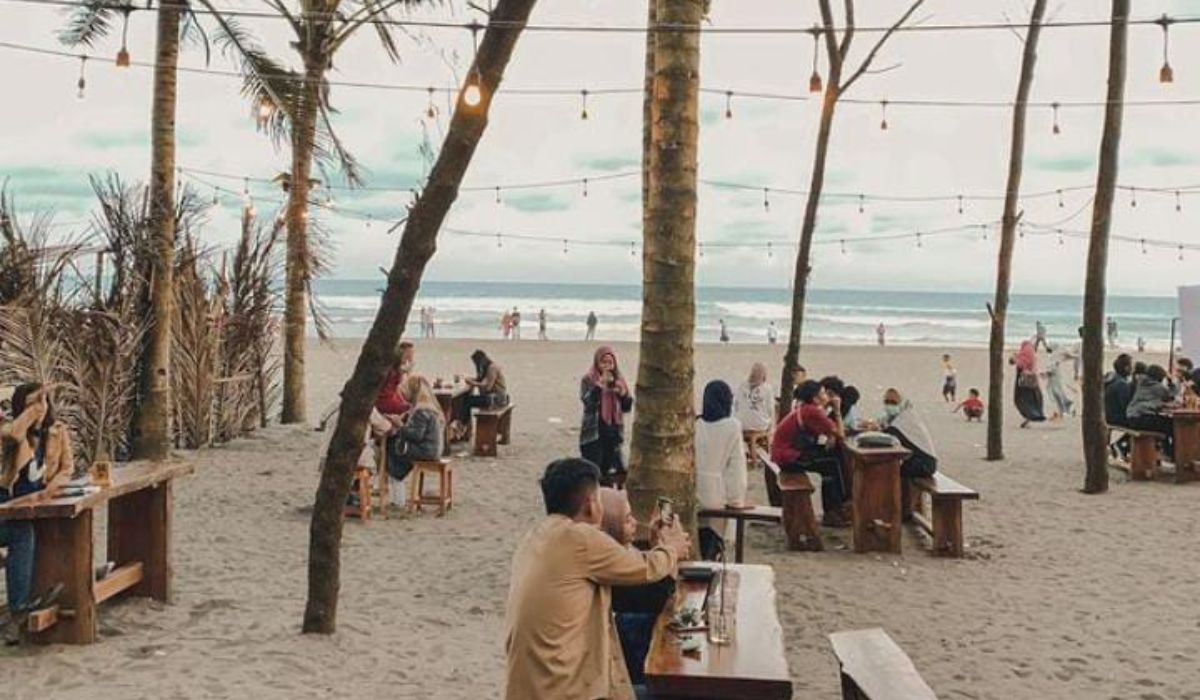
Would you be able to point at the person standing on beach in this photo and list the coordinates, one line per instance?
(542, 325)
(881, 334)
(949, 380)
(516, 324)
(1077, 356)
(772, 333)
(1111, 327)
(591, 326)
(1040, 336)
(606, 399)
(429, 315)
(560, 640)
(1141, 344)
(752, 403)
(1028, 392)
(724, 332)
(1054, 383)
(720, 466)
(506, 324)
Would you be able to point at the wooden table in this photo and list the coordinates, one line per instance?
(762, 514)
(1187, 444)
(877, 511)
(139, 543)
(752, 666)
(451, 399)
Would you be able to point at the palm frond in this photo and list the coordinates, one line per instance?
(265, 81)
(90, 21)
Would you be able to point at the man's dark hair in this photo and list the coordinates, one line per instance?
(1123, 365)
(1139, 368)
(808, 391)
(973, 392)
(1184, 362)
(567, 484)
(833, 384)
(1156, 373)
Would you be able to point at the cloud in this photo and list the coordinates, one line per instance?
(608, 163)
(108, 139)
(1075, 163)
(537, 202)
(1161, 158)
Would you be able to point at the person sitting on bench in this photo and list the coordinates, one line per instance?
(807, 440)
(720, 465)
(491, 390)
(36, 455)
(1146, 410)
(901, 420)
(1118, 390)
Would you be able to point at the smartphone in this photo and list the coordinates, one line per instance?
(665, 511)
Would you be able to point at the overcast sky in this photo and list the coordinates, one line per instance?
(52, 141)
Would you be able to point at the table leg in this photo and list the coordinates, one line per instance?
(1187, 448)
(63, 554)
(876, 506)
(740, 533)
(139, 529)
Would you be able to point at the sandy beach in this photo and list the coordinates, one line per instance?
(1061, 596)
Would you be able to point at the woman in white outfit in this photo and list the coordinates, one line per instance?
(720, 465)
(752, 406)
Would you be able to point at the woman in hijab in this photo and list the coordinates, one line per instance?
(635, 608)
(720, 465)
(606, 399)
(1028, 393)
(901, 420)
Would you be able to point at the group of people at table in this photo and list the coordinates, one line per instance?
(583, 597)
(1141, 397)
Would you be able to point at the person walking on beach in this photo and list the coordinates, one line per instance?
(724, 332)
(1028, 392)
(1054, 383)
(591, 326)
(1040, 336)
(429, 317)
(1111, 328)
(606, 399)
(772, 333)
(949, 380)
(516, 324)
(560, 640)
(506, 324)
(881, 334)
(542, 325)
(1141, 344)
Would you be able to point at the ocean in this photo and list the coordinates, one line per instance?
(834, 317)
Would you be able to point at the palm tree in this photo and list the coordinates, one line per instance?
(1095, 441)
(1008, 229)
(417, 245)
(89, 23)
(294, 107)
(662, 449)
(836, 51)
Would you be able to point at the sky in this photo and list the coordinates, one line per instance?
(53, 140)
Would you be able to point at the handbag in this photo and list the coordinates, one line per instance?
(1027, 380)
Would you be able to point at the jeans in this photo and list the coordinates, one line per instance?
(834, 489)
(18, 536)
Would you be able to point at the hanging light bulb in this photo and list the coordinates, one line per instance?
(585, 187)
(123, 54)
(842, 243)
(216, 201)
(497, 194)
(883, 125)
(1055, 129)
(770, 251)
(431, 110)
(1178, 202)
(814, 80)
(1060, 236)
(1166, 74)
(960, 204)
(329, 203)
(1143, 241)
(1060, 199)
(632, 249)
(472, 95)
(565, 251)
(499, 242)
(1133, 197)
(919, 240)
(81, 84)
(861, 200)
(583, 94)
(767, 199)
(1181, 253)
(700, 248)
(729, 104)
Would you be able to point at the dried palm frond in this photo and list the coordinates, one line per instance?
(251, 330)
(194, 348)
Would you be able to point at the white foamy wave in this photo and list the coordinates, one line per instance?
(899, 321)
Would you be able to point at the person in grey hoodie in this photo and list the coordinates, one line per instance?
(1147, 409)
(420, 436)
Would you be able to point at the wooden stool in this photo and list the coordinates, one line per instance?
(362, 486)
(444, 499)
(384, 487)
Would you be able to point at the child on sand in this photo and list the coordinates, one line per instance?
(972, 406)
(950, 382)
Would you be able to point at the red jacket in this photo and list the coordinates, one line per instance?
(389, 401)
(809, 419)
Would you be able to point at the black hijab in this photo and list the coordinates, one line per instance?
(718, 401)
(482, 364)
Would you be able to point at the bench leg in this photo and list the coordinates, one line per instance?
(774, 498)
(1144, 459)
(139, 529)
(800, 522)
(64, 555)
(506, 428)
(947, 528)
(485, 437)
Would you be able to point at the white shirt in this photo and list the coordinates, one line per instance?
(752, 406)
(720, 467)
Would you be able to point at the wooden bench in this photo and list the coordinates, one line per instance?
(944, 524)
(873, 667)
(444, 498)
(799, 519)
(762, 514)
(492, 427)
(1144, 456)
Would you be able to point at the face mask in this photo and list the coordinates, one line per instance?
(891, 410)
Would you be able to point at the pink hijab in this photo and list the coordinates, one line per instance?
(610, 399)
(1026, 357)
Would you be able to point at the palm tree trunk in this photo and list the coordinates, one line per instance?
(1095, 440)
(299, 264)
(152, 423)
(791, 359)
(379, 350)
(662, 451)
(648, 105)
(1008, 230)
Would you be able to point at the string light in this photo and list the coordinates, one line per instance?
(1166, 74)
(431, 110)
(767, 199)
(216, 200)
(81, 84)
(565, 250)
(497, 194)
(585, 187)
(814, 80)
(700, 249)
(370, 218)
(632, 249)
(843, 245)
(1133, 197)
(1055, 129)
(770, 251)
(1060, 199)
(1060, 236)
(883, 125)
(499, 242)
(861, 198)
(919, 239)
(1143, 242)
(123, 54)
(729, 104)
(583, 94)
(1178, 202)
(473, 92)
(1181, 253)
(960, 205)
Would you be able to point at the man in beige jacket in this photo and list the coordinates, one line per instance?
(561, 641)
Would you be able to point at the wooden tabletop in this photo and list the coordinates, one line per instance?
(771, 514)
(453, 391)
(752, 666)
(126, 478)
(876, 454)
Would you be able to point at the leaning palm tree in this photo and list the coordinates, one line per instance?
(294, 107)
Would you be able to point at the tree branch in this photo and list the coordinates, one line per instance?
(831, 47)
(879, 45)
(848, 37)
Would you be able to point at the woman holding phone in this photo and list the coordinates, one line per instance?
(606, 399)
(36, 454)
